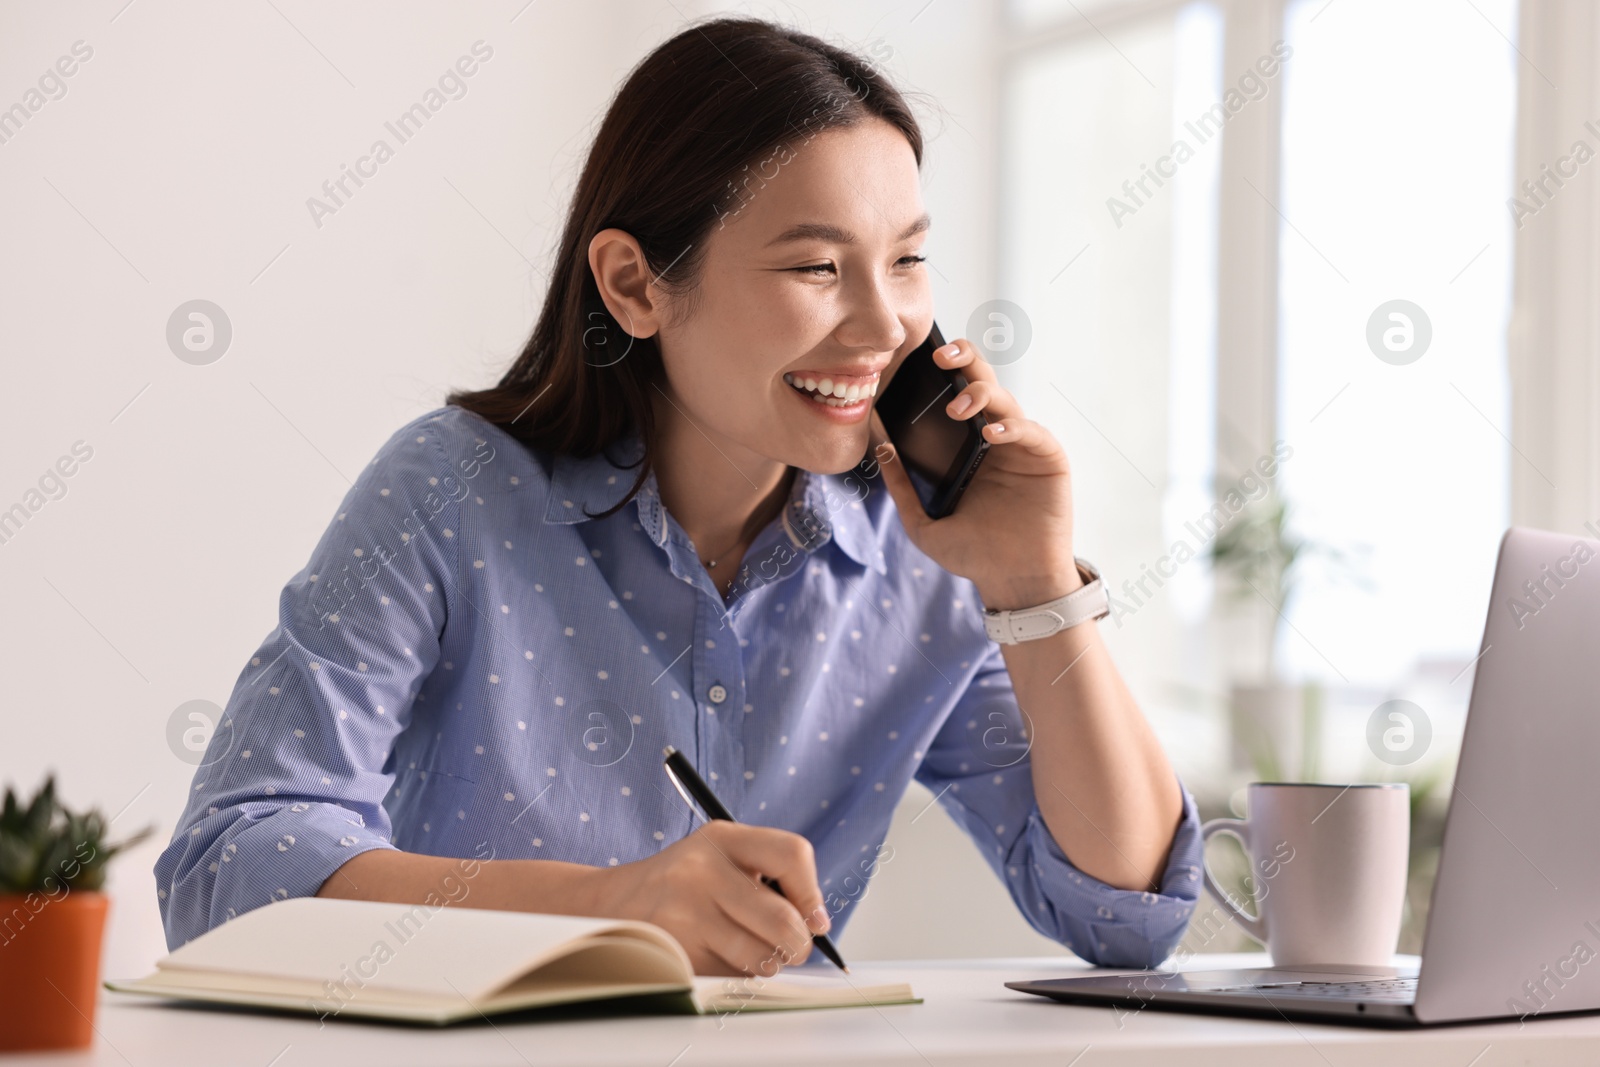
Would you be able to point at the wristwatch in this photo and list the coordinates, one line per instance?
(1029, 624)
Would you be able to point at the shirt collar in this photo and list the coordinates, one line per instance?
(825, 507)
(821, 507)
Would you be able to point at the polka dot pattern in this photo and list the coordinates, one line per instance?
(516, 665)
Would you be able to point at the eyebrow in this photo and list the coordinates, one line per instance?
(825, 231)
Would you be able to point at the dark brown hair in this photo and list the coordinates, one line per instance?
(687, 140)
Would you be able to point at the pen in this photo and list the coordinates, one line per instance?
(698, 794)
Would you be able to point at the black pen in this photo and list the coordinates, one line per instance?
(698, 794)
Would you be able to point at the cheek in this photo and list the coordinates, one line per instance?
(774, 317)
(913, 304)
(746, 329)
(918, 322)
(719, 356)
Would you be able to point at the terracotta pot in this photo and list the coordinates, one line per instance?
(50, 969)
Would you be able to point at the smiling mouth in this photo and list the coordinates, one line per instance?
(838, 394)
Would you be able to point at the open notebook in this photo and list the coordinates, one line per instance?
(414, 963)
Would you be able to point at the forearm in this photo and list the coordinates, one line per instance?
(398, 877)
(1104, 786)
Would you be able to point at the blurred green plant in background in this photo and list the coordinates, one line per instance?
(1262, 551)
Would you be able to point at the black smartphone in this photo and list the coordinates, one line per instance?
(941, 454)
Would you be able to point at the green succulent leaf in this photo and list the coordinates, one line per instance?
(45, 847)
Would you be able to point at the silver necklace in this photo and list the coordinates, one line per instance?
(756, 521)
(711, 564)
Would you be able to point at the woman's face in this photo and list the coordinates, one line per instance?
(812, 281)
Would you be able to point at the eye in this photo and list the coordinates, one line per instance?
(911, 261)
(815, 269)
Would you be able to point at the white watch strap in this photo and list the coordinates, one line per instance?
(1029, 624)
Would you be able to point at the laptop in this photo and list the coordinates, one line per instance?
(1514, 927)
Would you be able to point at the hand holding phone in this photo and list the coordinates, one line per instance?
(941, 454)
(1013, 540)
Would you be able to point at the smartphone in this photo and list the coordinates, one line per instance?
(941, 454)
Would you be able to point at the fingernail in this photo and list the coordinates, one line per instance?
(819, 917)
(960, 404)
(950, 349)
(999, 427)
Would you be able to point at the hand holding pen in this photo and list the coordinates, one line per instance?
(698, 794)
(699, 890)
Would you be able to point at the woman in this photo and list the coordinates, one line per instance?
(654, 531)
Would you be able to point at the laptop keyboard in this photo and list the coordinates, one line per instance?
(1386, 990)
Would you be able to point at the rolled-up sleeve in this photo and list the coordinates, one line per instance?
(979, 768)
(292, 782)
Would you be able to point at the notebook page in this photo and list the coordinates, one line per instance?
(796, 991)
(446, 952)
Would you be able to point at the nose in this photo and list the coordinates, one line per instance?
(873, 321)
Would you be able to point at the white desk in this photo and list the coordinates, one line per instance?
(968, 1017)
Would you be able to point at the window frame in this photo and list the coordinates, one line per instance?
(1553, 342)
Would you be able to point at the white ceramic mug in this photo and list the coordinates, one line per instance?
(1327, 869)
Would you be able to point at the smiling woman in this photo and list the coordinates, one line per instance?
(681, 542)
(668, 191)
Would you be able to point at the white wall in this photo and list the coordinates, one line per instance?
(177, 166)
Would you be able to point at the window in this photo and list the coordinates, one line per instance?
(1387, 169)
(1393, 187)
(1109, 241)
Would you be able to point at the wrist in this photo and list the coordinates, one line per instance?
(597, 888)
(1044, 618)
(555, 887)
(1015, 593)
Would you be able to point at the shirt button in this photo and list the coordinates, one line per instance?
(717, 694)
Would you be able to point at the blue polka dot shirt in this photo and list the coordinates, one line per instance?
(470, 665)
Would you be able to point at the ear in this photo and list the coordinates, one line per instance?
(626, 282)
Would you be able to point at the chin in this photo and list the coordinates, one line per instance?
(833, 456)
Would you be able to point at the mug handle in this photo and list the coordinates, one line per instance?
(1239, 829)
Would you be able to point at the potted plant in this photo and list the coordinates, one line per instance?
(52, 916)
(1274, 723)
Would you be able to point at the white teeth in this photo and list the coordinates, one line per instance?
(834, 394)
